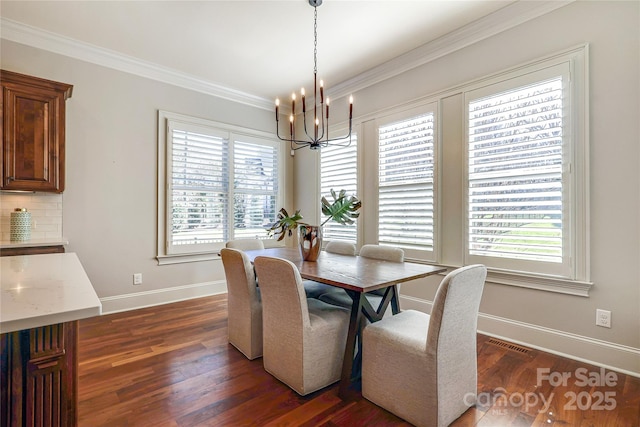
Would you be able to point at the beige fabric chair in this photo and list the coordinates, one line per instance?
(339, 247)
(244, 306)
(245, 244)
(314, 289)
(423, 368)
(304, 338)
(387, 253)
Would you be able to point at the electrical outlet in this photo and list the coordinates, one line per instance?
(137, 279)
(603, 318)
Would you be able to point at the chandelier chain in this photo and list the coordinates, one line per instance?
(315, 40)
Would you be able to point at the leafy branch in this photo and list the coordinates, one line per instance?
(342, 210)
(285, 224)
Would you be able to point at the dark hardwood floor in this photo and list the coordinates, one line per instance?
(171, 365)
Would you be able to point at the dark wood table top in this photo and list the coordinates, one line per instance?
(351, 272)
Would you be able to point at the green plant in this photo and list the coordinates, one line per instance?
(285, 224)
(342, 210)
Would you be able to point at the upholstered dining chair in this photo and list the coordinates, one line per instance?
(243, 301)
(340, 247)
(304, 338)
(387, 253)
(245, 244)
(314, 289)
(423, 368)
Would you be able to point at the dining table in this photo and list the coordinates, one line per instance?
(357, 276)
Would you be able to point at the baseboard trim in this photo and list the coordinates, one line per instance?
(151, 298)
(617, 357)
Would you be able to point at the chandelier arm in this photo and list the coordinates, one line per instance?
(304, 142)
(316, 140)
(330, 140)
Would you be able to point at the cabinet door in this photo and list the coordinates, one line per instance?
(49, 389)
(32, 133)
(33, 152)
(38, 376)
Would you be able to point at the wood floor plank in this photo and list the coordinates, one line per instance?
(172, 366)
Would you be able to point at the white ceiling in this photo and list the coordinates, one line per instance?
(263, 48)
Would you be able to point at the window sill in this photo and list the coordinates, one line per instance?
(204, 256)
(531, 281)
(179, 259)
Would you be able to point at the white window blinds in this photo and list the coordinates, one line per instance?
(339, 171)
(199, 191)
(406, 183)
(516, 180)
(255, 189)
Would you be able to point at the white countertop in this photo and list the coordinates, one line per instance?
(5, 244)
(39, 290)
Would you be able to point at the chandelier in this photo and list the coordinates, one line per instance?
(317, 134)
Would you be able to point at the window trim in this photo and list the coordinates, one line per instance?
(578, 282)
(162, 256)
(579, 56)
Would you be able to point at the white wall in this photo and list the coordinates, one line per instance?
(561, 323)
(110, 197)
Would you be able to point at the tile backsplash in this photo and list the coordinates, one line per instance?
(46, 213)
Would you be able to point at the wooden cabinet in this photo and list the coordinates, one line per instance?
(32, 250)
(38, 376)
(38, 370)
(32, 133)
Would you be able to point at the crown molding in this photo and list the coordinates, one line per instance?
(502, 20)
(499, 21)
(52, 42)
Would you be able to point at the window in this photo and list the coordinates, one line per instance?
(197, 175)
(493, 171)
(406, 182)
(339, 171)
(520, 173)
(255, 167)
(217, 183)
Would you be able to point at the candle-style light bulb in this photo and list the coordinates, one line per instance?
(321, 92)
(293, 102)
(291, 125)
(350, 106)
(304, 107)
(277, 107)
(327, 107)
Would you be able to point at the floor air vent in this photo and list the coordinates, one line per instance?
(509, 346)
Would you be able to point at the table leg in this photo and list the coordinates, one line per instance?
(354, 326)
(395, 303)
(351, 361)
